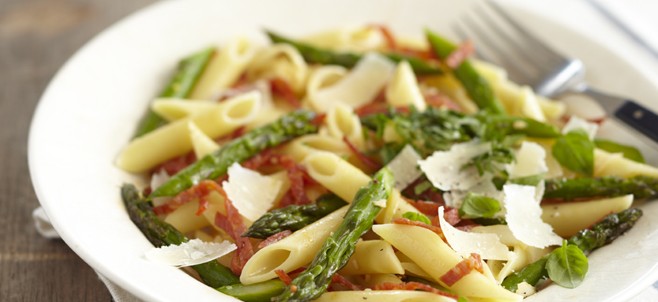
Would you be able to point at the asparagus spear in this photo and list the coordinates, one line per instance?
(258, 292)
(314, 54)
(476, 86)
(642, 187)
(180, 86)
(215, 164)
(293, 217)
(600, 234)
(160, 233)
(339, 247)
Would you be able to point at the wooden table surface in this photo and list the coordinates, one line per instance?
(36, 38)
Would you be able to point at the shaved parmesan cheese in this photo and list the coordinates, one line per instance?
(579, 123)
(252, 194)
(201, 143)
(189, 253)
(525, 289)
(444, 168)
(530, 160)
(380, 203)
(486, 187)
(523, 216)
(157, 179)
(464, 243)
(404, 167)
(358, 87)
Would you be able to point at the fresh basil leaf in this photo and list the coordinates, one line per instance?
(478, 206)
(629, 152)
(575, 151)
(531, 180)
(567, 265)
(413, 216)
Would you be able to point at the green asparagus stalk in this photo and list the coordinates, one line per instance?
(215, 164)
(510, 125)
(339, 247)
(314, 54)
(476, 86)
(258, 292)
(293, 217)
(642, 187)
(180, 86)
(588, 240)
(160, 233)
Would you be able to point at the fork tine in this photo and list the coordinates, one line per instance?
(513, 68)
(538, 45)
(461, 33)
(510, 40)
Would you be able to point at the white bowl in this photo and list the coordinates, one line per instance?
(91, 108)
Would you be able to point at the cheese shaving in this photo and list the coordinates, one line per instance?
(380, 203)
(487, 245)
(404, 167)
(523, 216)
(359, 86)
(189, 253)
(579, 123)
(455, 198)
(530, 160)
(252, 194)
(444, 169)
(157, 179)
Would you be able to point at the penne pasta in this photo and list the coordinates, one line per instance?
(403, 91)
(372, 257)
(569, 218)
(341, 122)
(383, 296)
(437, 258)
(173, 139)
(280, 61)
(224, 69)
(291, 252)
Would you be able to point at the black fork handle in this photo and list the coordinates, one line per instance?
(636, 117)
(639, 118)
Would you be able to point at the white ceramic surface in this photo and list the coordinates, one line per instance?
(91, 107)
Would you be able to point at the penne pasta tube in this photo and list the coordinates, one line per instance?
(344, 180)
(306, 145)
(184, 218)
(372, 257)
(570, 217)
(342, 123)
(175, 109)
(437, 258)
(614, 164)
(291, 252)
(224, 69)
(173, 139)
(201, 143)
(403, 89)
(383, 296)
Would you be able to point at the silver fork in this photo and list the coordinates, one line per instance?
(528, 60)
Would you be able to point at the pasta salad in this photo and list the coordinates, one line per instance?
(353, 164)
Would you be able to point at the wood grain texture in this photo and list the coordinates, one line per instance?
(36, 38)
